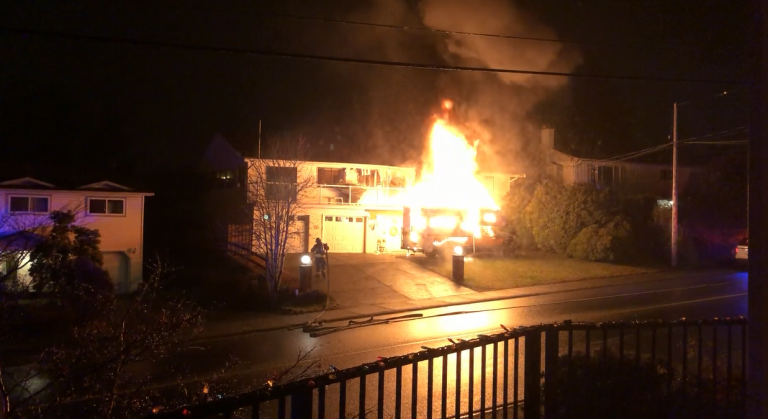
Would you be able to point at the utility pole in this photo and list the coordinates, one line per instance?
(674, 186)
(259, 139)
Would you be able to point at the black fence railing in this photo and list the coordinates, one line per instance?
(696, 367)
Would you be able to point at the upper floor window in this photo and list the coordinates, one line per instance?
(281, 183)
(106, 206)
(330, 176)
(32, 204)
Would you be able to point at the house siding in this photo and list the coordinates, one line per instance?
(122, 234)
(343, 199)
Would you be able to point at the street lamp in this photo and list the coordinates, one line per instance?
(458, 263)
(305, 273)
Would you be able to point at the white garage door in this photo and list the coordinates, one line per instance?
(344, 234)
(116, 263)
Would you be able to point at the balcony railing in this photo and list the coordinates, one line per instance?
(702, 363)
(352, 195)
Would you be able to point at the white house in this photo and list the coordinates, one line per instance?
(116, 211)
(351, 206)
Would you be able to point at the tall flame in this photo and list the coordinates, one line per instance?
(448, 177)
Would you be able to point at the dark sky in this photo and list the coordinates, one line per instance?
(114, 110)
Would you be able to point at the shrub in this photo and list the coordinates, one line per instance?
(513, 208)
(557, 213)
(605, 244)
(612, 387)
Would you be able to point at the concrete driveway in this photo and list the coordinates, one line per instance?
(386, 281)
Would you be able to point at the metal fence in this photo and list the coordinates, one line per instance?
(516, 373)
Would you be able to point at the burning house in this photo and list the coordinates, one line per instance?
(361, 208)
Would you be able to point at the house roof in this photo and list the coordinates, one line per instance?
(104, 185)
(220, 155)
(29, 183)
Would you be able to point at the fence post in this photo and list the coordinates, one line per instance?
(301, 404)
(551, 356)
(532, 379)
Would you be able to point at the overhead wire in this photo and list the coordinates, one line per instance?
(719, 142)
(691, 140)
(314, 57)
(716, 134)
(712, 97)
(441, 31)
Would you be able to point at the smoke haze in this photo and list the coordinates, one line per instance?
(392, 107)
(496, 106)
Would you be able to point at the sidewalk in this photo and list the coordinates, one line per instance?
(251, 323)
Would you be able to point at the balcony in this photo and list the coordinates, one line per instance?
(356, 195)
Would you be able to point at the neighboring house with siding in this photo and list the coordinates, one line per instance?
(637, 177)
(116, 211)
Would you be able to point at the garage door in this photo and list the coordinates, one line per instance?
(344, 234)
(116, 263)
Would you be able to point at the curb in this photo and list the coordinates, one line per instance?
(426, 307)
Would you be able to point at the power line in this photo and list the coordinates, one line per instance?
(711, 97)
(716, 134)
(650, 150)
(719, 142)
(638, 153)
(271, 53)
(440, 31)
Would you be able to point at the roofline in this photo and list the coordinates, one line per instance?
(343, 164)
(608, 162)
(75, 191)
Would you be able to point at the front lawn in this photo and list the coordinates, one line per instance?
(485, 274)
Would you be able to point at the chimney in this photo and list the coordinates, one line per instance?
(548, 137)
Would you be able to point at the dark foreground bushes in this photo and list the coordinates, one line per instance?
(607, 387)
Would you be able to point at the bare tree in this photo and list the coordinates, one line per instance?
(98, 368)
(278, 184)
(19, 233)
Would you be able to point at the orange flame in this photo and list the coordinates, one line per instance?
(447, 180)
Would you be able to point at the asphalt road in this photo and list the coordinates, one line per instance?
(693, 295)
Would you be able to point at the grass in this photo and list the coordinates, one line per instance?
(309, 302)
(486, 274)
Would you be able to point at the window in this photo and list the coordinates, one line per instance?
(106, 206)
(281, 183)
(666, 174)
(34, 204)
(330, 176)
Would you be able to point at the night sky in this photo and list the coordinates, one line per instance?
(115, 110)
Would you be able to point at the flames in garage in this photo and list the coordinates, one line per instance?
(448, 180)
